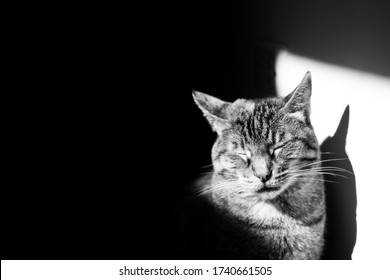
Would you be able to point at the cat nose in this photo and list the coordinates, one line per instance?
(262, 168)
(264, 174)
(264, 177)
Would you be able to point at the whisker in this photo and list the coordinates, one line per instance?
(319, 173)
(216, 187)
(328, 181)
(223, 187)
(206, 166)
(329, 168)
(322, 161)
(323, 168)
(300, 176)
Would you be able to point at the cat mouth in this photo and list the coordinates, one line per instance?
(267, 187)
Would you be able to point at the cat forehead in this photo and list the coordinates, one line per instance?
(243, 110)
(243, 105)
(257, 120)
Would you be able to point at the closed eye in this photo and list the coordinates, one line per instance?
(245, 156)
(276, 150)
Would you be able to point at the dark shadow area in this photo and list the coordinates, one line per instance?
(340, 236)
(205, 233)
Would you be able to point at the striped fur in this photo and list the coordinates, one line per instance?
(267, 180)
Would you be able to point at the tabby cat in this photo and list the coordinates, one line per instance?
(266, 180)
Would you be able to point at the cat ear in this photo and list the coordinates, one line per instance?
(214, 109)
(297, 103)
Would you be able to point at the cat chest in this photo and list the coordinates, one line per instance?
(266, 213)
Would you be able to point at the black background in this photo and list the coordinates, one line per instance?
(109, 135)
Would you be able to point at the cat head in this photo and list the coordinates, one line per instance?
(262, 144)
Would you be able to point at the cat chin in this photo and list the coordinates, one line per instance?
(256, 196)
(260, 192)
(276, 190)
(268, 196)
(271, 189)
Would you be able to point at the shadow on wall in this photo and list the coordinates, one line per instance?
(340, 236)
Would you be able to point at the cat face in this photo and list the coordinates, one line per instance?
(264, 145)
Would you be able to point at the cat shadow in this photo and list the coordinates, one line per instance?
(340, 234)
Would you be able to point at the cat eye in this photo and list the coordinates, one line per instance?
(277, 148)
(275, 151)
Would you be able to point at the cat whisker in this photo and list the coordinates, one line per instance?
(222, 187)
(206, 166)
(311, 170)
(322, 161)
(229, 194)
(303, 177)
(318, 180)
(217, 187)
(328, 168)
(324, 168)
(319, 173)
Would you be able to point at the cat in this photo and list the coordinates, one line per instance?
(266, 188)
